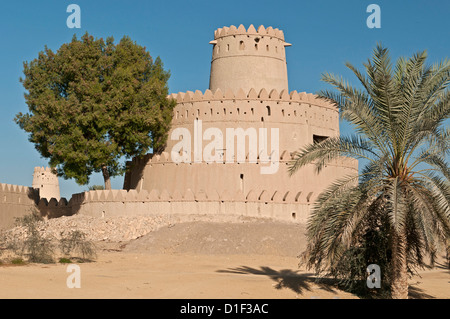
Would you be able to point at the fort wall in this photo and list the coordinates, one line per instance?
(111, 203)
(16, 201)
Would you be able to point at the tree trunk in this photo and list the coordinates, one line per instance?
(106, 177)
(399, 280)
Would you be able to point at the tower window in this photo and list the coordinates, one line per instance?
(319, 138)
(268, 110)
(241, 45)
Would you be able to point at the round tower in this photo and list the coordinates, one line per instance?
(46, 182)
(245, 59)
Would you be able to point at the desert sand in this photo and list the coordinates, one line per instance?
(193, 260)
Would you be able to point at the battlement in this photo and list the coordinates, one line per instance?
(285, 157)
(262, 95)
(262, 31)
(42, 169)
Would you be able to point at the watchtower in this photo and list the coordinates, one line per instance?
(245, 59)
(46, 182)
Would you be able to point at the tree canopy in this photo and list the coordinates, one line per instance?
(92, 103)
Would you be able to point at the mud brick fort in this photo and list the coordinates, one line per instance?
(227, 150)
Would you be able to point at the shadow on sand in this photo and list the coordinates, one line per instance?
(287, 278)
(301, 282)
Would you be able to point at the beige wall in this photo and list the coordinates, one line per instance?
(297, 117)
(16, 201)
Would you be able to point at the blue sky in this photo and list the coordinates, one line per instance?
(324, 35)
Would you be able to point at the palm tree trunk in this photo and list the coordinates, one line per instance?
(399, 280)
(106, 177)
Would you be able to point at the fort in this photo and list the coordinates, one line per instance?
(248, 92)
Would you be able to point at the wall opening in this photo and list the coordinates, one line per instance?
(319, 138)
(268, 110)
(294, 215)
(241, 45)
(241, 181)
(309, 197)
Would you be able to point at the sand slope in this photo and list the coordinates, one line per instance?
(197, 260)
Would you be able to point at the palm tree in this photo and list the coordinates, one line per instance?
(399, 116)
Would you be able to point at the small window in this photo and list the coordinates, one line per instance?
(268, 110)
(241, 45)
(319, 138)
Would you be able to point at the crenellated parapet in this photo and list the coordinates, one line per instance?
(155, 195)
(261, 31)
(254, 95)
(256, 107)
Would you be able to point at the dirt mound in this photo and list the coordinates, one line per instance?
(215, 238)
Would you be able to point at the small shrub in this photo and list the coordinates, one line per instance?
(37, 248)
(17, 261)
(75, 242)
(96, 187)
(64, 260)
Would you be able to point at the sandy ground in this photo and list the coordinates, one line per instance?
(197, 260)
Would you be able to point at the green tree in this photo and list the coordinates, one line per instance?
(399, 114)
(92, 103)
